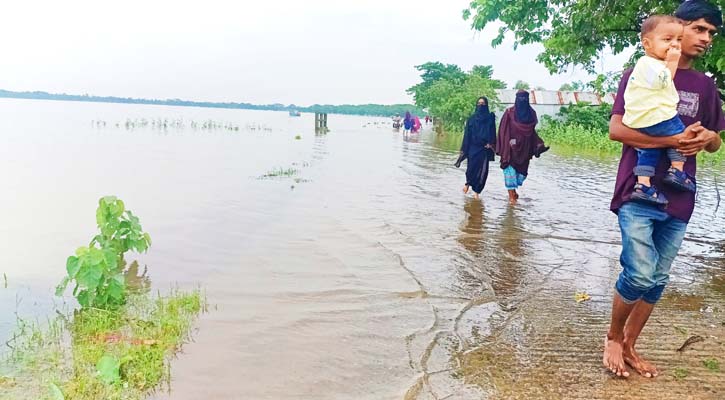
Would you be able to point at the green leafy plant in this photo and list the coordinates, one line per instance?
(586, 115)
(680, 373)
(450, 94)
(578, 33)
(712, 364)
(108, 368)
(97, 269)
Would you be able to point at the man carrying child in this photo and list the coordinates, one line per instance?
(651, 234)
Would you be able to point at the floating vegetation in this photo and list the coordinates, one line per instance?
(280, 172)
(298, 137)
(179, 124)
(292, 172)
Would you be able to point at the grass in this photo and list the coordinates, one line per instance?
(577, 137)
(712, 364)
(680, 373)
(98, 354)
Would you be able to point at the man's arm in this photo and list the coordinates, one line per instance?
(633, 138)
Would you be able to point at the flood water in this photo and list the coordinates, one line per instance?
(363, 273)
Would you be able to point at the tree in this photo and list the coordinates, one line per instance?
(432, 72)
(576, 32)
(450, 94)
(576, 86)
(521, 85)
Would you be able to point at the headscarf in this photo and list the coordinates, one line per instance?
(480, 130)
(482, 111)
(518, 141)
(524, 113)
(416, 123)
(408, 117)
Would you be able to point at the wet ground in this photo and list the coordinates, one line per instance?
(362, 272)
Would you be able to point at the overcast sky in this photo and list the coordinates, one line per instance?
(274, 51)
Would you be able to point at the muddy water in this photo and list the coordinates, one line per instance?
(364, 274)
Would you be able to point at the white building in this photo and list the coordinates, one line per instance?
(548, 102)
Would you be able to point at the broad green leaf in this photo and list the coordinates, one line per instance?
(84, 298)
(56, 393)
(60, 289)
(72, 266)
(90, 275)
(108, 368)
(81, 251)
(148, 238)
(116, 288)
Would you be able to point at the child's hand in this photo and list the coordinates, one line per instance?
(673, 54)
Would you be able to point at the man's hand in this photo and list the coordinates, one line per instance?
(698, 139)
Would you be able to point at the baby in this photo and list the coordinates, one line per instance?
(651, 106)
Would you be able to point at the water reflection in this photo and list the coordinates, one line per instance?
(472, 237)
(508, 272)
(412, 137)
(138, 282)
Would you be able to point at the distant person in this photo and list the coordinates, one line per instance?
(397, 121)
(479, 140)
(518, 142)
(427, 119)
(407, 122)
(416, 124)
(651, 101)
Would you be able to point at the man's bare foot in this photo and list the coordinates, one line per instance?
(465, 189)
(639, 364)
(476, 196)
(613, 358)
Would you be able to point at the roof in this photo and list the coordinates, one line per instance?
(551, 97)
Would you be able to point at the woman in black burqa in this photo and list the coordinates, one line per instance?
(479, 141)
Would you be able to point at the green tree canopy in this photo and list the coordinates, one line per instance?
(521, 85)
(576, 32)
(576, 86)
(450, 94)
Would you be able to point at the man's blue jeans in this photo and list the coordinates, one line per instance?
(651, 239)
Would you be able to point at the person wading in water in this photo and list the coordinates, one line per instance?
(651, 236)
(479, 140)
(518, 142)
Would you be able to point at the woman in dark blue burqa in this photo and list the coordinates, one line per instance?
(479, 141)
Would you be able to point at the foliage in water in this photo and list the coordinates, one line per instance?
(97, 269)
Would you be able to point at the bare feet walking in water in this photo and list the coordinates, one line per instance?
(476, 196)
(639, 364)
(613, 357)
(513, 196)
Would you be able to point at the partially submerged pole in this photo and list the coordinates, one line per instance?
(321, 123)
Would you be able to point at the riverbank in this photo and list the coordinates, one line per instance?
(95, 354)
(372, 279)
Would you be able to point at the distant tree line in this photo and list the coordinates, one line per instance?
(350, 109)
